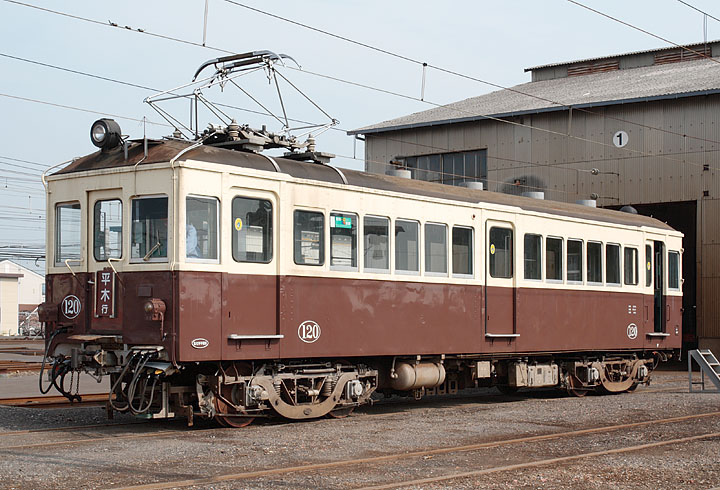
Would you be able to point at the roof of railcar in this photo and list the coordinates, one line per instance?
(164, 151)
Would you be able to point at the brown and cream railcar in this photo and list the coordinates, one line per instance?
(231, 284)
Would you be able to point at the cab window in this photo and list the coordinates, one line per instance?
(149, 228)
(107, 237)
(67, 233)
(252, 221)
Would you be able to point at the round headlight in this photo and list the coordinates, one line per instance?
(105, 134)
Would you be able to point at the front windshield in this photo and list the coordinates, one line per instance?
(149, 228)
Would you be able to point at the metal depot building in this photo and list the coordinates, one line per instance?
(639, 129)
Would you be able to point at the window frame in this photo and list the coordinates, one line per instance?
(218, 222)
(620, 270)
(122, 226)
(540, 258)
(139, 260)
(582, 261)
(346, 268)
(602, 263)
(679, 270)
(420, 250)
(322, 236)
(625, 264)
(471, 253)
(425, 251)
(59, 262)
(562, 260)
(374, 270)
(270, 234)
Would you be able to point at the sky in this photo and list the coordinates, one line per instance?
(47, 112)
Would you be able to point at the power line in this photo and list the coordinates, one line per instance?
(701, 11)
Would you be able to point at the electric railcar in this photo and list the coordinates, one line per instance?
(207, 281)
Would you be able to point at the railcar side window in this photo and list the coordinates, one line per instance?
(406, 246)
(343, 240)
(149, 228)
(107, 238)
(648, 266)
(553, 259)
(67, 233)
(630, 256)
(377, 245)
(462, 245)
(201, 228)
(533, 256)
(435, 248)
(594, 262)
(500, 249)
(575, 260)
(309, 240)
(673, 270)
(252, 237)
(612, 264)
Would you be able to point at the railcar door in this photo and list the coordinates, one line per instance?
(659, 286)
(500, 297)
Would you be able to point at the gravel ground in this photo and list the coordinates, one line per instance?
(121, 453)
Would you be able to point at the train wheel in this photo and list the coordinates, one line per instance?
(226, 414)
(234, 421)
(575, 386)
(340, 413)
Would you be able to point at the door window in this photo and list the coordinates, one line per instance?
(500, 249)
(107, 237)
(252, 239)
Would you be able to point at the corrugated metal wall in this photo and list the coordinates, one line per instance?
(561, 147)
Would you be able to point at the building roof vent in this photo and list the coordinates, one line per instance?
(587, 202)
(478, 186)
(534, 195)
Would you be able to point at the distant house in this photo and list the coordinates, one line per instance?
(20, 290)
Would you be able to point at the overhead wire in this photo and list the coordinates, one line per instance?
(367, 86)
(697, 9)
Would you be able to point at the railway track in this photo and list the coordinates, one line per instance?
(18, 366)
(53, 401)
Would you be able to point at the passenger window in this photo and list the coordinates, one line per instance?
(149, 228)
(630, 257)
(575, 260)
(533, 256)
(612, 264)
(343, 240)
(436, 248)
(406, 246)
(377, 246)
(252, 237)
(500, 249)
(201, 228)
(107, 237)
(462, 256)
(309, 239)
(553, 259)
(67, 233)
(648, 266)
(673, 270)
(594, 262)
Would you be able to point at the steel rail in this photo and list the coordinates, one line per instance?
(52, 401)
(445, 450)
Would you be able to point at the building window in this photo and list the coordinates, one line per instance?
(67, 233)
(501, 252)
(343, 240)
(377, 246)
(630, 258)
(594, 262)
(435, 248)
(553, 259)
(574, 260)
(309, 248)
(533, 256)
(201, 228)
(612, 264)
(107, 239)
(406, 246)
(149, 228)
(252, 221)
(450, 168)
(462, 244)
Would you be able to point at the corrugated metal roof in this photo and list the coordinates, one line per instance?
(622, 55)
(687, 79)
